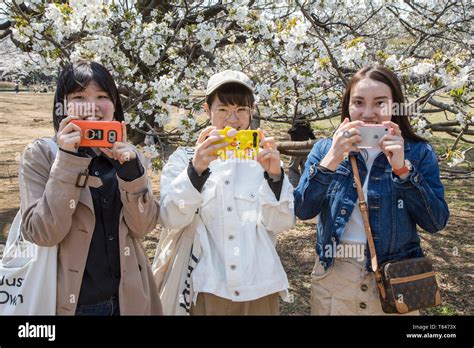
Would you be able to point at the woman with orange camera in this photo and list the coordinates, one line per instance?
(94, 203)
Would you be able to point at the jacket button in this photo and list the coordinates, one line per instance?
(252, 195)
(416, 179)
(231, 237)
(363, 305)
(111, 238)
(96, 173)
(343, 211)
(233, 267)
(229, 209)
(333, 239)
(311, 170)
(364, 287)
(236, 293)
(354, 185)
(227, 182)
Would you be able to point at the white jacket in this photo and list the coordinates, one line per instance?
(241, 218)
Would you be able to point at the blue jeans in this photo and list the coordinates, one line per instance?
(105, 308)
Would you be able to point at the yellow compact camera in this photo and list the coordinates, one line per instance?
(243, 144)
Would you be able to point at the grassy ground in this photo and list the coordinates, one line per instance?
(24, 117)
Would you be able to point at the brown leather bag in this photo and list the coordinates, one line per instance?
(404, 285)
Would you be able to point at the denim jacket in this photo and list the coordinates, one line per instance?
(395, 206)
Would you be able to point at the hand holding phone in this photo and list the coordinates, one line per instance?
(206, 147)
(99, 133)
(121, 151)
(371, 135)
(243, 144)
(68, 135)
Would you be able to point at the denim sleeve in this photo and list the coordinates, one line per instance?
(423, 193)
(312, 188)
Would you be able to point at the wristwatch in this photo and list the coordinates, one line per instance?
(403, 170)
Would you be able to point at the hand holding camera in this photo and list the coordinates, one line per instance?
(356, 135)
(108, 136)
(121, 150)
(269, 157)
(69, 134)
(344, 141)
(206, 149)
(393, 145)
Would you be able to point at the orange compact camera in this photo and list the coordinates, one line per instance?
(99, 133)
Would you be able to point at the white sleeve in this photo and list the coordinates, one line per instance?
(179, 198)
(277, 216)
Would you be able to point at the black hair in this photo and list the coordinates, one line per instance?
(75, 78)
(232, 94)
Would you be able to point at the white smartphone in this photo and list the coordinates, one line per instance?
(371, 135)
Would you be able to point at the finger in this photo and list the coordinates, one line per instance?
(344, 122)
(204, 133)
(268, 143)
(263, 152)
(270, 155)
(351, 131)
(347, 124)
(390, 137)
(124, 132)
(355, 125)
(211, 140)
(214, 132)
(389, 151)
(69, 128)
(127, 153)
(394, 126)
(73, 133)
(66, 121)
(215, 147)
(393, 148)
(261, 135)
(125, 156)
(355, 139)
(107, 152)
(73, 140)
(391, 142)
(114, 150)
(119, 145)
(352, 148)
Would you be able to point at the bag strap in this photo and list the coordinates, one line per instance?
(16, 224)
(368, 231)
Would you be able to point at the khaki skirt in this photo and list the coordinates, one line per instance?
(346, 288)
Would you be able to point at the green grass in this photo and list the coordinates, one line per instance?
(442, 310)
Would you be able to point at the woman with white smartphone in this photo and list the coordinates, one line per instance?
(401, 185)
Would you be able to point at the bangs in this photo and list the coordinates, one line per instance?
(75, 78)
(80, 76)
(232, 94)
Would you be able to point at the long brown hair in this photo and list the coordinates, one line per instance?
(386, 76)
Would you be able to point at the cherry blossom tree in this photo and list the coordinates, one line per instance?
(300, 55)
